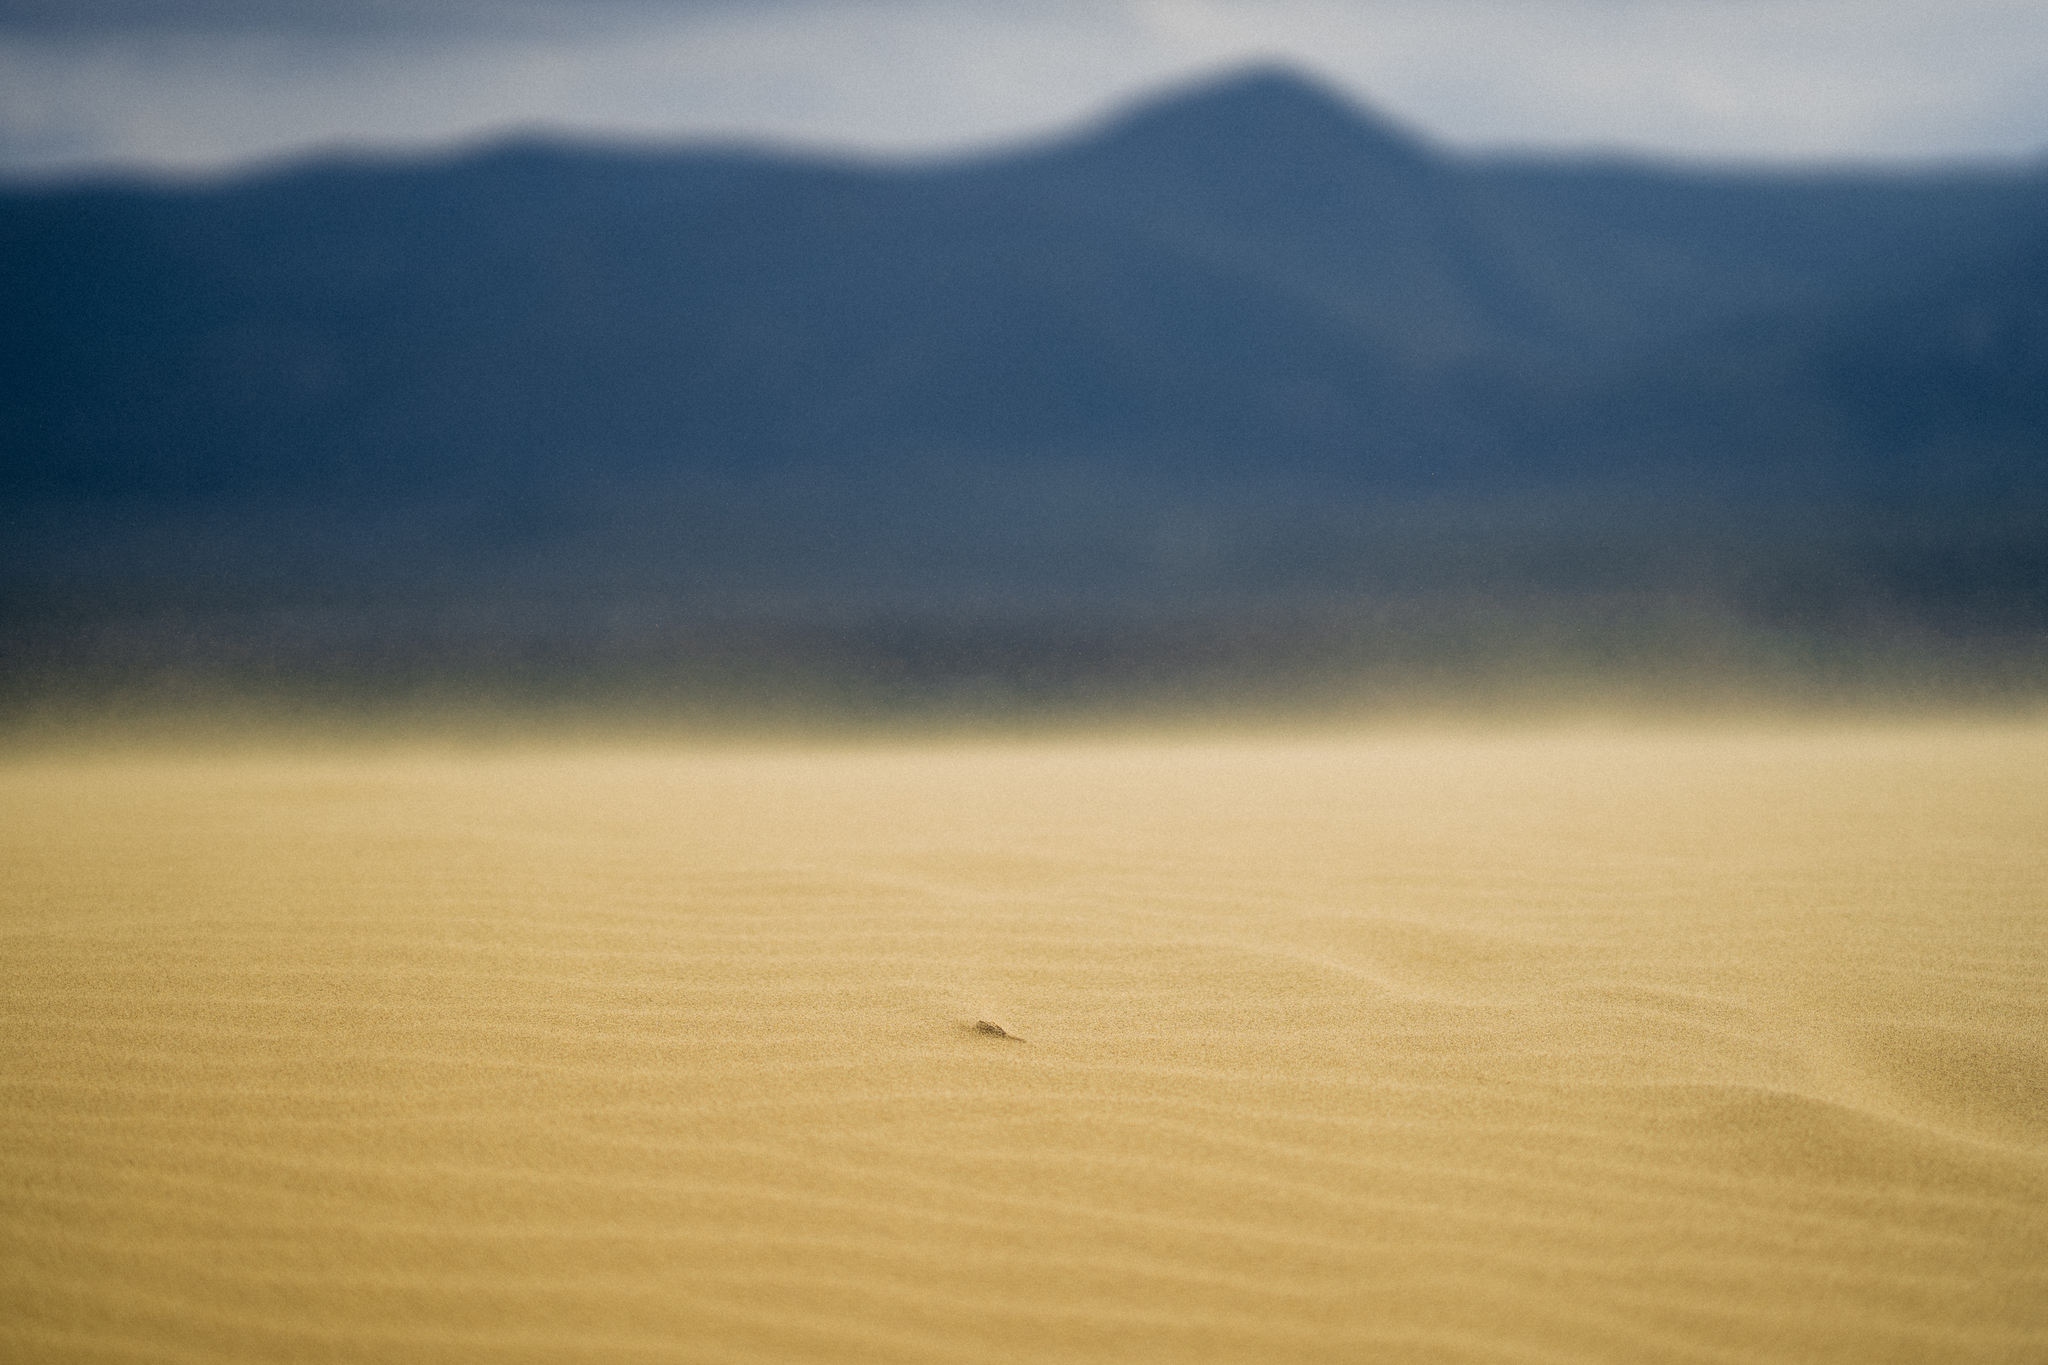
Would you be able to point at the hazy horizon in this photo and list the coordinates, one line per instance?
(207, 87)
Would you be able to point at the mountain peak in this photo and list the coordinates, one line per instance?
(1258, 112)
(1264, 87)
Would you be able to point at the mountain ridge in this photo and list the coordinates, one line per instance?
(1243, 339)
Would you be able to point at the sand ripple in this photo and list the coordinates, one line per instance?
(1703, 1046)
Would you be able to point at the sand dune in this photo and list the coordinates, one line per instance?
(1703, 1045)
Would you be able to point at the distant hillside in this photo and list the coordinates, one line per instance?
(1247, 349)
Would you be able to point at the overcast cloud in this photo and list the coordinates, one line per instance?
(211, 83)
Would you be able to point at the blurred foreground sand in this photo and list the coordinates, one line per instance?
(1706, 1045)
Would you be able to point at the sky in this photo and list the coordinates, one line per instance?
(207, 85)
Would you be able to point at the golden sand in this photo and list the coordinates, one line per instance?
(1700, 1046)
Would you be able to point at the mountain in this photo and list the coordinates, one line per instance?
(1244, 352)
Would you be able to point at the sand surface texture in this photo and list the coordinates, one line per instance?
(1704, 1045)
